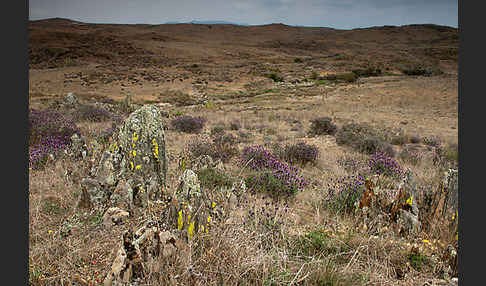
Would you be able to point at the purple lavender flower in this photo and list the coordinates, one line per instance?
(380, 163)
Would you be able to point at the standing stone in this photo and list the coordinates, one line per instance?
(137, 158)
(142, 141)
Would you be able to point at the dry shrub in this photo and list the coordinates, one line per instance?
(188, 124)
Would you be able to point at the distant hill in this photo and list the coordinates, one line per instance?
(208, 22)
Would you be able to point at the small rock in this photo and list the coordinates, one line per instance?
(114, 216)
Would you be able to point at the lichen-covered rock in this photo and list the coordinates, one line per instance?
(408, 222)
(189, 186)
(137, 158)
(78, 147)
(97, 194)
(114, 216)
(147, 250)
(109, 168)
(142, 144)
(204, 162)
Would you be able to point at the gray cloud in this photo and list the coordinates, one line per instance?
(341, 14)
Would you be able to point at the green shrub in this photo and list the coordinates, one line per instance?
(218, 129)
(301, 153)
(298, 60)
(415, 139)
(235, 125)
(275, 77)
(314, 243)
(418, 261)
(343, 77)
(363, 138)
(322, 126)
(368, 72)
(345, 193)
(211, 178)
(188, 124)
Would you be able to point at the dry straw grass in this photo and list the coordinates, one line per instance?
(261, 250)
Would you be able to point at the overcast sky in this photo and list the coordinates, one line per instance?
(339, 14)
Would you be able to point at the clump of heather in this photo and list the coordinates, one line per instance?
(322, 126)
(301, 152)
(49, 132)
(380, 163)
(344, 193)
(222, 146)
(188, 124)
(273, 176)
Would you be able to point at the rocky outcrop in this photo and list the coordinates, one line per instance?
(143, 252)
(136, 159)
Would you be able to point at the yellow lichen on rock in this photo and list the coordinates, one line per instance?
(156, 149)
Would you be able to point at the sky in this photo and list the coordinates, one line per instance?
(338, 14)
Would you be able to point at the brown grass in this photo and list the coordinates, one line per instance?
(238, 251)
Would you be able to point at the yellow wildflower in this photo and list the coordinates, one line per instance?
(135, 136)
(138, 167)
(190, 230)
(410, 201)
(180, 221)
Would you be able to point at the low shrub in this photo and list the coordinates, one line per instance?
(415, 139)
(92, 113)
(218, 129)
(343, 77)
(235, 125)
(223, 146)
(211, 178)
(298, 60)
(368, 72)
(275, 77)
(416, 70)
(49, 132)
(322, 126)
(345, 193)
(380, 163)
(301, 153)
(273, 176)
(363, 138)
(315, 243)
(188, 124)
